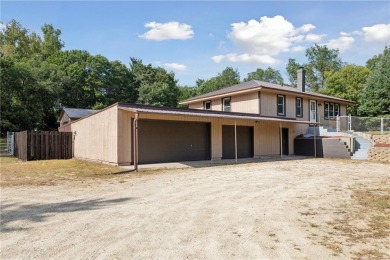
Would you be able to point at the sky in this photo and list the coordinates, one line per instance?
(197, 40)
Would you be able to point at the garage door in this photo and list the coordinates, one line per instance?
(244, 142)
(173, 141)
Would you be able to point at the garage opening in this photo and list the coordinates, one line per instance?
(173, 141)
(244, 142)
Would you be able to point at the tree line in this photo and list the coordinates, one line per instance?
(38, 78)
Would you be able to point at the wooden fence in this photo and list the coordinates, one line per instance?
(43, 145)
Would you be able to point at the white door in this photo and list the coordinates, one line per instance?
(313, 111)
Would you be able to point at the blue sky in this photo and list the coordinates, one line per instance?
(199, 39)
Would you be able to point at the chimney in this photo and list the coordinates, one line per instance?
(301, 79)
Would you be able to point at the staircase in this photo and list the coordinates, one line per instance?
(361, 148)
(335, 148)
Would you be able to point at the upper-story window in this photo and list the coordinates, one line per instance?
(331, 110)
(281, 105)
(207, 105)
(299, 107)
(226, 104)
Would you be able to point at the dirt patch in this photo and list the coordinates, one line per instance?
(285, 209)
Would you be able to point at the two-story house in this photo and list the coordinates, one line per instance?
(248, 120)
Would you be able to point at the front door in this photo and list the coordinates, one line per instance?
(313, 111)
(285, 141)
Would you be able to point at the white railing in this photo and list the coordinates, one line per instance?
(357, 124)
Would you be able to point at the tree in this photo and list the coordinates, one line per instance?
(268, 75)
(155, 86)
(347, 83)
(292, 67)
(320, 60)
(375, 98)
(51, 40)
(226, 78)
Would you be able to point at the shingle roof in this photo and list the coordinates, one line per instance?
(256, 84)
(76, 113)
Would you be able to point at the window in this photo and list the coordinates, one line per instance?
(207, 105)
(336, 109)
(331, 110)
(226, 104)
(299, 109)
(281, 103)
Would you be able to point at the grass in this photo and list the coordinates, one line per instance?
(371, 207)
(14, 172)
(3, 143)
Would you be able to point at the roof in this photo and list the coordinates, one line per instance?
(252, 85)
(204, 113)
(76, 113)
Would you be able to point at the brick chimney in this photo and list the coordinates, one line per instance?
(301, 79)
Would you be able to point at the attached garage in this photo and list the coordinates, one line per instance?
(244, 142)
(173, 141)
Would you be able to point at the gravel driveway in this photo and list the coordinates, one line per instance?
(267, 210)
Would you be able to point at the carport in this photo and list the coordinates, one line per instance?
(161, 134)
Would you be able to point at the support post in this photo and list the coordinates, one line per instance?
(281, 141)
(338, 123)
(135, 142)
(349, 123)
(315, 141)
(235, 139)
(382, 125)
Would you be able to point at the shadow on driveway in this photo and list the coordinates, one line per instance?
(40, 212)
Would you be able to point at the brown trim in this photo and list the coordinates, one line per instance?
(223, 105)
(259, 98)
(296, 115)
(204, 104)
(284, 105)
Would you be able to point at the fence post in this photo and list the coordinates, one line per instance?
(338, 123)
(381, 125)
(349, 123)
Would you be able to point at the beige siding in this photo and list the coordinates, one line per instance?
(197, 105)
(96, 137)
(290, 106)
(245, 103)
(216, 104)
(268, 104)
(124, 137)
(64, 120)
(343, 110)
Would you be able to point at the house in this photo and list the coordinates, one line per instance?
(68, 115)
(247, 120)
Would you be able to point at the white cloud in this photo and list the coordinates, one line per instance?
(298, 48)
(306, 28)
(2, 27)
(168, 31)
(261, 41)
(311, 37)
(246, 58)
(342, 43)
(175, 66)
(377, 33)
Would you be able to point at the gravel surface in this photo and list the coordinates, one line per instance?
(267, 210)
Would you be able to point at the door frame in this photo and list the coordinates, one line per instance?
(315, 105)
(285, 135)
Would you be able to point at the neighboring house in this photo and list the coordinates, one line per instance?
(69, 115)
(251, 119)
